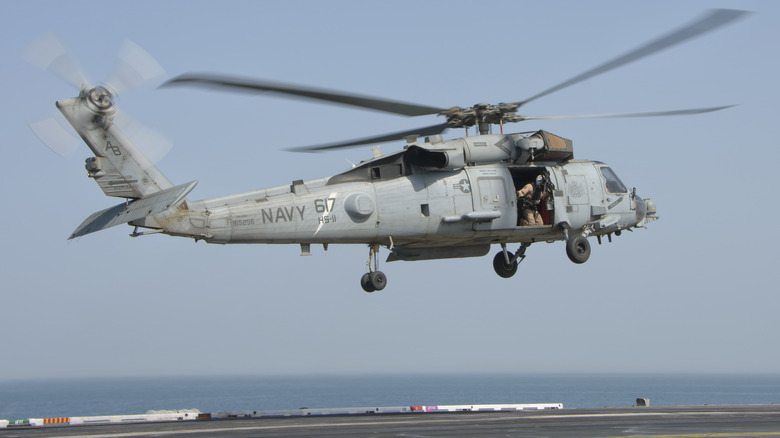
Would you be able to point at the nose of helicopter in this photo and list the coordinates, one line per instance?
(650, 205)
(645, 210)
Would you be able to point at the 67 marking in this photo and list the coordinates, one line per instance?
(324, 205)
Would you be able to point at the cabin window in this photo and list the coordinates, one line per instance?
(613, 183)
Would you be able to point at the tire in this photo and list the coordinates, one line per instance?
(365, 283)
(502, 269)
(578, 249)
(377, 280)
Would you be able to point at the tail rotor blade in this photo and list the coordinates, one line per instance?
(55, 136)
(48, 53)
(154, 145)
(135, 68)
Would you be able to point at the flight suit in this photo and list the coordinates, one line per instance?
(530, 205)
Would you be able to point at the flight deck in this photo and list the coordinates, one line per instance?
(462, 421)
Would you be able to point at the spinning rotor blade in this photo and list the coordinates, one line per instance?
(711, 21)
(62, 141)
(135, 68)
(48, 53)
(419, 132)
(481, 115)
(621, 115)
(55, 136)
(245, 84)
(152, 144)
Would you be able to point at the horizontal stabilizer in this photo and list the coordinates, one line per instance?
(134, 210)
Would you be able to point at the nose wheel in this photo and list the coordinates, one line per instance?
(374, 279)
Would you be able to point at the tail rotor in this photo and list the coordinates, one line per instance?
(135, 69)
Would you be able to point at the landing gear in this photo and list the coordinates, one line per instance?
(578, 249)
(373, 280)
(503, 269)
(505, 264)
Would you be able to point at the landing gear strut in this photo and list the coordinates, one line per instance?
(505, 264)
(374, 279)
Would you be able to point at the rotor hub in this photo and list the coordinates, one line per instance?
(101, 100)
(480, 113)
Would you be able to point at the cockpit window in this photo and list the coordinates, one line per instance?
(613, 182)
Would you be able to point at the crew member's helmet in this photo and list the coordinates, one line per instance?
(539, 181)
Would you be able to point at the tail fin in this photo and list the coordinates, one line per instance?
(118, 167)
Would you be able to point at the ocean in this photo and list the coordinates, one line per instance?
(21, 399)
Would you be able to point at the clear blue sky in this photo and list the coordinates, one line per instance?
(695, 292)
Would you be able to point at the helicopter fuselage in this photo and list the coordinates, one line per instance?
(417, 211)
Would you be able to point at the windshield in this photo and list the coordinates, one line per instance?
(613, 183)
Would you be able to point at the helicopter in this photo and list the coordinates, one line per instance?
(432, 199)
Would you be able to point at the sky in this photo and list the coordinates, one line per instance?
(694, 292)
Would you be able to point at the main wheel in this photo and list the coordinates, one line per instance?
(365, 283)
(502, 269)
(377, 280)
(578, 249)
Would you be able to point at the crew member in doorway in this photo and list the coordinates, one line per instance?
(530, 197)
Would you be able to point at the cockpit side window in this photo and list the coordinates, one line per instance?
(613, 183)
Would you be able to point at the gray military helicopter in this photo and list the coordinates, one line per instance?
(433, 199)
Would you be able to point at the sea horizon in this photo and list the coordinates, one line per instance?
(103, 395)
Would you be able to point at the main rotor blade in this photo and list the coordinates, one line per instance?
(621, 115)
(238, 83)
(711, 21)
(419, 132)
